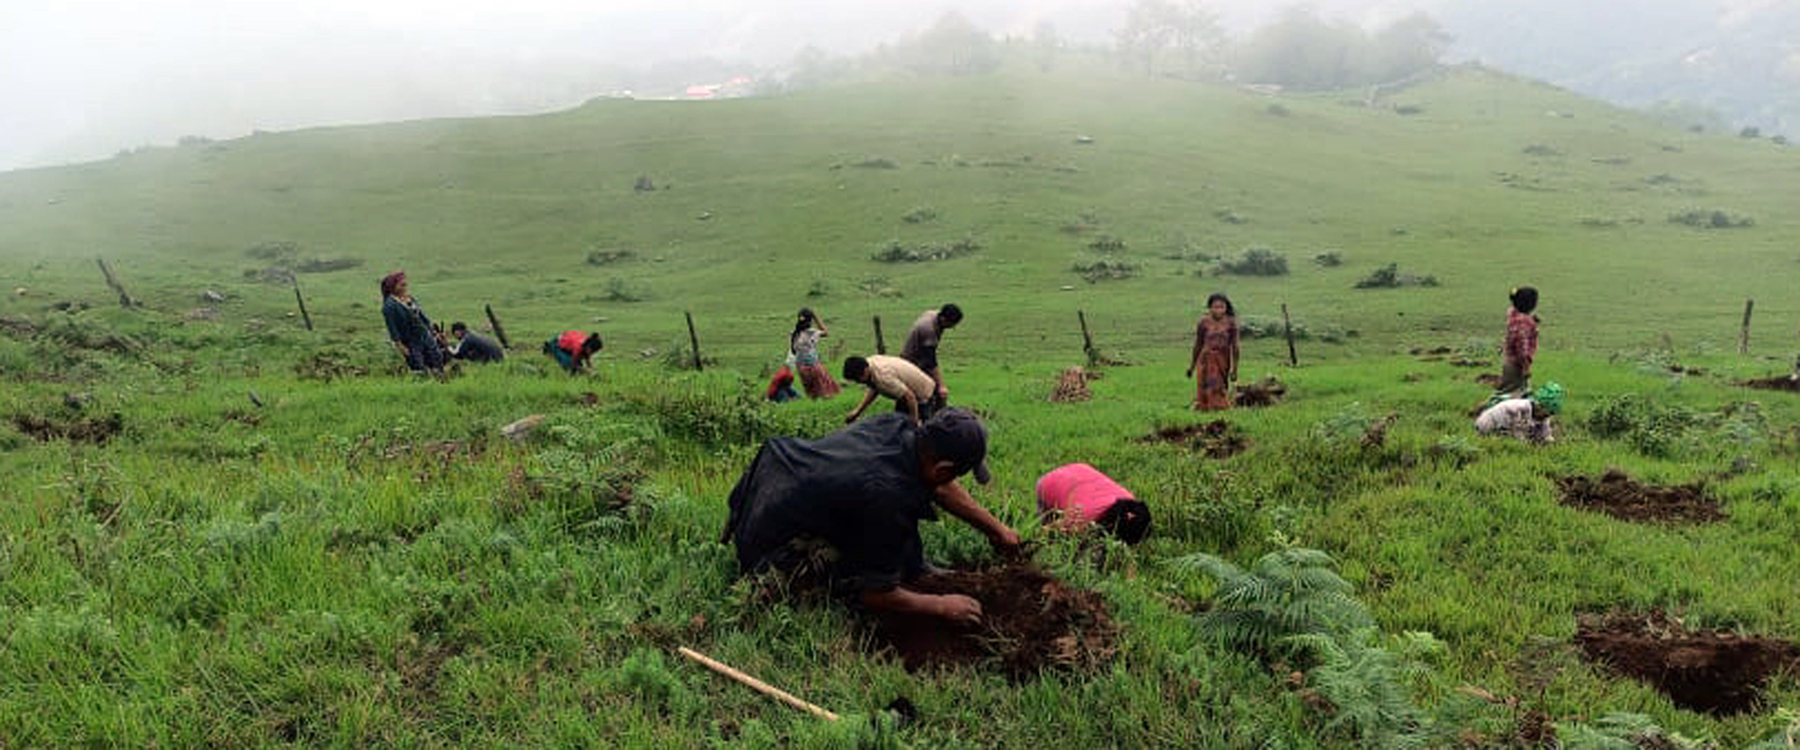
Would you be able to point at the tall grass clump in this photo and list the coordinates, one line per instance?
(1255, 261)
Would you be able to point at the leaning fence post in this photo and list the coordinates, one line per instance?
(694, 339)
(1744, 333)
(304, 316)
(499, 332)
(113, 282)
(880, 343)
(1287, 325)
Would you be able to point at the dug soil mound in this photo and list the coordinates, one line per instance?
(1217, 439)
(1618, 495)
(1716, 672)
(1030, 622)
(1783, 383)
(1072, 386)
(96, 430)
(1268, 392)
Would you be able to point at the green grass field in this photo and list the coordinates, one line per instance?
(364, 560)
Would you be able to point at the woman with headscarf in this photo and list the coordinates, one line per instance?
(1215, 354)
(803, 343)
(1521, 342)
(408, 327)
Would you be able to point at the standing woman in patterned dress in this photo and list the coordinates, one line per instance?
(803, 343)
(408, 328)
(1215, 354)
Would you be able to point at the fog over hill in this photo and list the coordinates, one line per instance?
(84, 79)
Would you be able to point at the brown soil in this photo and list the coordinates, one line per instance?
(1376, 435)
(1030, 622)
(1217, 439)
(17, 327)
(1435, 352)
(1072, 386)
(1712, 671)
(1269, 392)
(1466, 362)
(96, 430)
(1489, 379)
(1618, 495)
(1783, 383)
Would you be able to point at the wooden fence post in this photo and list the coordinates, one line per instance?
(304, 316)
(499, 332)
(694, 339)
(1744, 333)
(1288, 324)
(880, 343)
(113, 282)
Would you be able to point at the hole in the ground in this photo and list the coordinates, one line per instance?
(96, 430)
(1785, 383)
(1030, 621)
(1267, 392)
(1618, 495)
(1710, 671)
(1216, 439)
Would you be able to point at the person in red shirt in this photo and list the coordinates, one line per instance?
(1521, 342)
(1078, 496)
(573, 349)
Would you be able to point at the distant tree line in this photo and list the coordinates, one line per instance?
(1165, 38)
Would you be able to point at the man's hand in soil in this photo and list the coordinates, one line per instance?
(959, 609)
(1006, 542)
(953, 607)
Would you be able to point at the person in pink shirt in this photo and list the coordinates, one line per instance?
(1077, 496)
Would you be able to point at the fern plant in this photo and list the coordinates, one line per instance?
(1365, 683)
(1622, 731)
(1285, 594)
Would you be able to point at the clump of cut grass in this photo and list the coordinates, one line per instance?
(1712, 219)
(1096, 270)
(610, 257)
(895, 251)
(1389, 277)
(919, 215)
(1255, 261)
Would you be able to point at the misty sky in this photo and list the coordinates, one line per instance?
(82, 79)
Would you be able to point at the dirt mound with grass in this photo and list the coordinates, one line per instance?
(96, 430)
(1783, 383)
(1072, 386)
(1618, 495)
(1030, 622)
(1267, 392)
(1716, 672)
(1217, 439)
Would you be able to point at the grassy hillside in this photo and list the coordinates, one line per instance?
(362, 560)
(506, 210)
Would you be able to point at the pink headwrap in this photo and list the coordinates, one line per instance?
(391, 282)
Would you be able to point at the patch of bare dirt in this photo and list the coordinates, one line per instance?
(1784, 383)
(1489, 379)
(96, 430)
(1267, 392)
(1618, 495)
(1711, 671)
(1216, 439)
(1030, 622)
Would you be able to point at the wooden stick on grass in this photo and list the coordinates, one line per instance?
(757, 685)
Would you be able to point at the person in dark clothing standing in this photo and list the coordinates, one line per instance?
(473, 346)
(408, 327)
(848, 506)
(922, 345)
